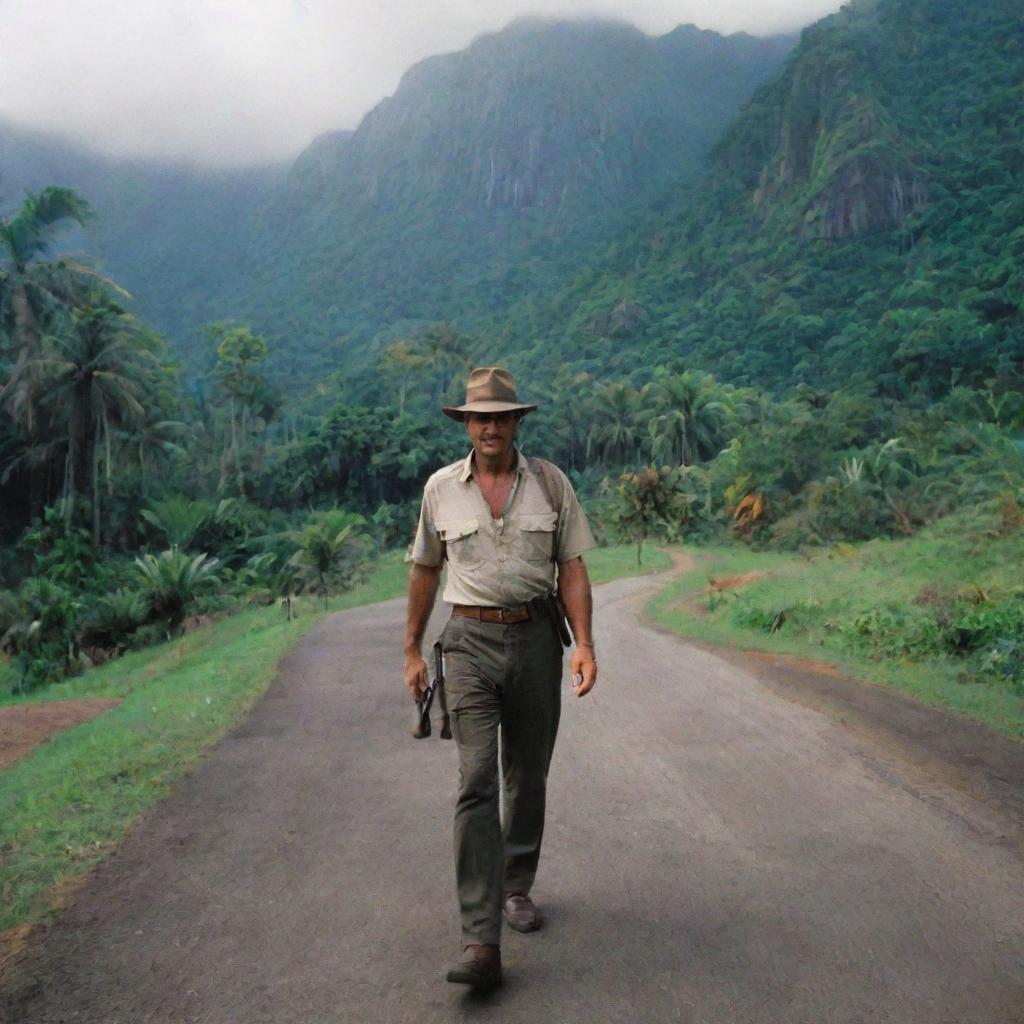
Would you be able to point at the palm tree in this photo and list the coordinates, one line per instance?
(562, 424)
(155, 439)
(615, 432)
(101, 372)
(330, 549)
(693, 416)
(29, 287)
(240, 354)
(32, 293)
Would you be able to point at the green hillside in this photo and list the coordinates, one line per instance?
(817, 342)
(489, 175)
(863, 223)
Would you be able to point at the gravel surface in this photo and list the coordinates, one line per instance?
(717, 852)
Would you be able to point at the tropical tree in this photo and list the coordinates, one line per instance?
(33, 293)
(30, 288)
(650, 501)
(401, 363)
(330, 548)
(99, 373)
(176, 519)
(692, 418)
(445, 352)
(616, 433)
(155, 440)
(240, 356)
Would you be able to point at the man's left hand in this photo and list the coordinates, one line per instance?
(583, 664)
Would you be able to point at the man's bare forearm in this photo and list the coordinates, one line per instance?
(574, 586)
(423, 582)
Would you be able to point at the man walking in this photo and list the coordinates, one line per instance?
(510, 530)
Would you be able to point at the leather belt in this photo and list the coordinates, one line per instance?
(485, 614)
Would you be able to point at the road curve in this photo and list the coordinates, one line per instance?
(715, 854)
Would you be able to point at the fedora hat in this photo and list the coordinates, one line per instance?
(489, 389)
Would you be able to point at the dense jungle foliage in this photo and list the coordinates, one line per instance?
(863, 225)
(824, 343)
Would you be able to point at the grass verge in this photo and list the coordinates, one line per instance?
(612, 563)
(880, 611)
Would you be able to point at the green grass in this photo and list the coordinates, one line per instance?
(70, 800)
(871, 609)
(612, 563)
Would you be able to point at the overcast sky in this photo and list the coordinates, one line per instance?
(243, 81)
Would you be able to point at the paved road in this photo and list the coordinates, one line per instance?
(716, 854)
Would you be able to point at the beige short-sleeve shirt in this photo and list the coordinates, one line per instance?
(499, 562)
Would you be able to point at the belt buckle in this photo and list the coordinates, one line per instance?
(501, 614)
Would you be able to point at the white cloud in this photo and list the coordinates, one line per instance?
(242, 81)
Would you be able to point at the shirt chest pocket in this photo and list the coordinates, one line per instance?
(462, 542)
(537, 531)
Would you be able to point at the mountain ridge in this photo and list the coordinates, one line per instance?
(488, 174)
(860, 224)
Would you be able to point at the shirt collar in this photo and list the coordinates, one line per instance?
(467, 465)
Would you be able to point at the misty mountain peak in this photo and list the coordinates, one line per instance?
(547, 114)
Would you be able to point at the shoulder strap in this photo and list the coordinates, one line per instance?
(553, 485)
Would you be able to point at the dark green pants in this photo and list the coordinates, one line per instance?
(501, 679)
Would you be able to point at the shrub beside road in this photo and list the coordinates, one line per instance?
(939, 615)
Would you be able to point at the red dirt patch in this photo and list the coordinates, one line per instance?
(797, 661)
(693, 604)
(734, 582)
(25, 726)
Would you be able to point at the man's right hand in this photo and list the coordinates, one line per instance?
(416, 675)
(423, 581)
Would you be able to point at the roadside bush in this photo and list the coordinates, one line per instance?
(172, 581)
(1004, 663)
(175, 521)
(893, 631)
(986, 634)
(43, 637)
(987, 624)
(751, 616)
(231, 531)
(331, 550)
(147, 636)
(113, 617)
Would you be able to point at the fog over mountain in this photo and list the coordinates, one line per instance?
(491, 172)
(237, 83)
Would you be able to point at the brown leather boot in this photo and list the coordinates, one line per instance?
(521, 912)
(479, 966)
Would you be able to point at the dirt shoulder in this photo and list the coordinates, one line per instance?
(25, 726)
(946, 750)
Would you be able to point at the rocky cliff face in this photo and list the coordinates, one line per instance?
(851, 172)
(830, 156)
(544, 116)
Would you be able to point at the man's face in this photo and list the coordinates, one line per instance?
(493, 433)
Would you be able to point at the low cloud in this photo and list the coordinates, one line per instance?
(247, 81)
